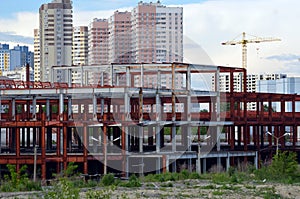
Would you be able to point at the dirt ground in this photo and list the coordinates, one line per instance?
(191, 189)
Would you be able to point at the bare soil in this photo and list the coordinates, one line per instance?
(190, 189)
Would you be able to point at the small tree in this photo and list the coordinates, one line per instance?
(70, 170)
(284, 165)
(18, 181)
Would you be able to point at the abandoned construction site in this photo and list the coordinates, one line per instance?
(122, 125)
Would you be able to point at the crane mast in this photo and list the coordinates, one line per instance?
(244, 43)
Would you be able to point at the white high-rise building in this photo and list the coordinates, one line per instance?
(4, 58)
(252, 83)
(80, 45)
(252, 80)
(56, 30)
(287, 85)
(36, 65)
(79, 50)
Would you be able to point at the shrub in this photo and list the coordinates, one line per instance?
(18, 181)
(62, 189)
(183, 175)
(221, 178)
(284, 168)
(108, 179)
(194, 175)
(70, 170)
(101, 194)
(132, 182)
(284, 165)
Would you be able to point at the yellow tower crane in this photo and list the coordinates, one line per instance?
(244, 42)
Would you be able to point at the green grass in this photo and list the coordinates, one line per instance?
(217, 193)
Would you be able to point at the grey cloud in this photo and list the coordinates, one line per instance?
(284, 57)
(11, 37)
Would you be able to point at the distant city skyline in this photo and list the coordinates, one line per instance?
(206, 25)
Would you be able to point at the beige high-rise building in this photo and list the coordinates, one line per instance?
(98, 42)
(157, 33)
(120, 37)
(151, 32)
(157, 36)
(36, 49)
(56, 30)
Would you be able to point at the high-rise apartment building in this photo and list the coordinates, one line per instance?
(151, 32)
(98, 42)
(287, 85)
(157, 33)
(252, 80)
(80, 45)
(120, 37)
(36, 47)
(20, 56)
(157, 36)
(79, 50)
(56, 32)
(4, 58)
(252, 83)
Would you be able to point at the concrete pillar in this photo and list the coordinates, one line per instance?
(140, 128)
(173, 110)
(218, 111)
(94, 107)
(13, 109)
(167, 163)
(17, 131)
(70, 107)
(173, 133)
(256, 159)
(158, 79)
(158, 165)
(43, 147)
(61, 106)
(86, 78)
(127, 167)
(69, 73)
(204, 165)
(174, 166)
(158, 119)
(219, 163)
(48, 110)
(157, 138)
(228, 161)
(34, 108)
(82, 74)
(190, 164)
(188, 106)
(85, 143)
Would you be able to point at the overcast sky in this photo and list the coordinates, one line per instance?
(206, 25)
